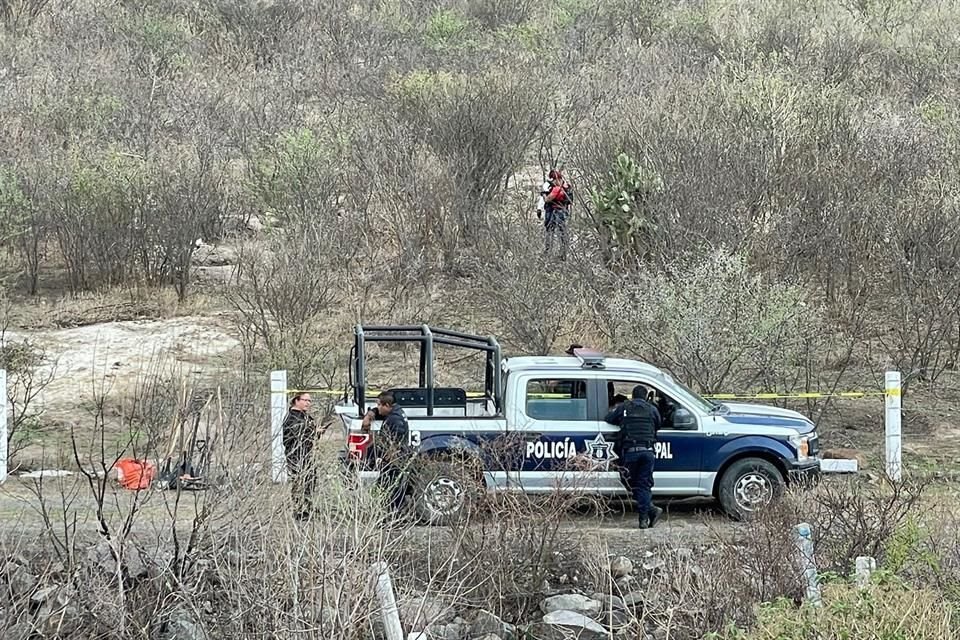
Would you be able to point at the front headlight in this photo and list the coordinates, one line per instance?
(802, 445)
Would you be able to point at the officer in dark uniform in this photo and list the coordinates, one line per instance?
(300, 432)
(391, 449)
(639, 422)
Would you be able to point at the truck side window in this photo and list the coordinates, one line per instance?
(618, 390)
(552, 399)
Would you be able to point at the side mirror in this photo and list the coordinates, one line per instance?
(683, 420)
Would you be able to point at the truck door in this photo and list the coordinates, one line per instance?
(559, 419)
(680, 448)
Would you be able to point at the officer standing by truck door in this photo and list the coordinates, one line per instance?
(391, 448)
(639, 422)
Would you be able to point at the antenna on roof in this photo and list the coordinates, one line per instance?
(589, 358)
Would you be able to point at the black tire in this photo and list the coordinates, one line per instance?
(748, 485)
(445, 491)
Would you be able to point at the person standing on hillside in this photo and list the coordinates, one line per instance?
(300, 431)
(639, 422)
(556, 211)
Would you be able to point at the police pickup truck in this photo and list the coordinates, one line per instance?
(538, 426)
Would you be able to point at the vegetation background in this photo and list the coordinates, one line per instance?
(766, 199)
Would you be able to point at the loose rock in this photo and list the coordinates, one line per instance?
(564, 623)
(625, 583)
(133, 564)
(610, 601)
(451, 631)
(215, 256)
(621, 566)
(572, 602)
(183, 626)
(485, 623)
(45, 593)
(653, 564)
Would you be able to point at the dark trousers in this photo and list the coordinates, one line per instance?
(638, 466)
(393, 480)
(555, 221)
(395, 464)
(302, 476)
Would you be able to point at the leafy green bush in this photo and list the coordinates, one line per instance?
(888, 609)
(445, 28)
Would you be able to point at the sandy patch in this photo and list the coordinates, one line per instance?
(114, 355)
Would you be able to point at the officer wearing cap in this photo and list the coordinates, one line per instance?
(639, 422)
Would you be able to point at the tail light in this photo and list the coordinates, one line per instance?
(357, 444)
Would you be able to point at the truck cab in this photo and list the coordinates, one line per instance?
(539, 427)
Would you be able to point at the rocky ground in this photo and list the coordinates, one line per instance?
(574, 602)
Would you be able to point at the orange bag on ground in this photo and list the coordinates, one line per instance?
(134, 474)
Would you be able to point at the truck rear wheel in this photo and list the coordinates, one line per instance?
(445, 491)
(748, 485)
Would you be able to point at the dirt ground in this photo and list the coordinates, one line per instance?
(22, 517)
(113, 357)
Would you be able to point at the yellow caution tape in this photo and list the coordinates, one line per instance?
(799, 395)
(715, 396)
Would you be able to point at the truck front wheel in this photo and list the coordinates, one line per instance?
(444, 491)
(749, 485)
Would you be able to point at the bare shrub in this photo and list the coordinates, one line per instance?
(23, 221)
(493, 14)
(479, 136)
(854, 518)
(30, 369)
(509, 544)
(262, 27)
(713, 322)
(921, 317)
(535, 297)
(124, 220)
(695, 592)
(285, 290)
(18, 15)
(189, 206)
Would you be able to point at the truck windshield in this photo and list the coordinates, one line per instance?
(691, 396)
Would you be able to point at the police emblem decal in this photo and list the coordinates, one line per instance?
(601, 450)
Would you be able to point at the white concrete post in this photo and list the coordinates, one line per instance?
(865, 566)
(389, 612)
(3, 425)
(892, 425)
(278, 412)
(805, 549)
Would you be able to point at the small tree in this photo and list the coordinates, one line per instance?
(23, 225)
(29, 372)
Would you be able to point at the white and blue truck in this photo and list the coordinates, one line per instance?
(538, 426)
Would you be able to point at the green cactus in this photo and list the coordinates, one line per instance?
(621, 207)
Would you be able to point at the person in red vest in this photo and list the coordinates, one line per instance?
(556, 211)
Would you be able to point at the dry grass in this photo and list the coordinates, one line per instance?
(116, 304)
